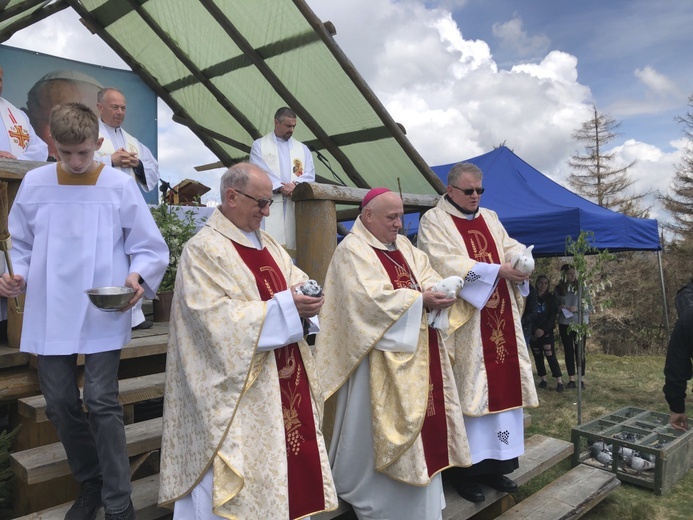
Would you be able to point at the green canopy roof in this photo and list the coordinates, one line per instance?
(225, 66)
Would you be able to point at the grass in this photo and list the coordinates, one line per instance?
(612, 382)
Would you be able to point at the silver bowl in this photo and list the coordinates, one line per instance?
(110, 299)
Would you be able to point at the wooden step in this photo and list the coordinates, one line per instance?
(47, 462)
(566, 498)
(541, 453)
(133, 390)
(144, 497)
(148, 342)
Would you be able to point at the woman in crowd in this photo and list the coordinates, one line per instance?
(542, 339)
(566, 293)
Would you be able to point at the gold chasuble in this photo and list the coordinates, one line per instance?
(416, 419)
(253, 417)
(491, 362)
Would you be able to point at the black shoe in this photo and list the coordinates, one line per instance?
(128, 514)
(571, 384)
(146, 324)
(88, 502)
(560, 387)
(582, 384)
(469, 491)
(542, 384)
(500, 482)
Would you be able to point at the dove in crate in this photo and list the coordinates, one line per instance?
(451, 287)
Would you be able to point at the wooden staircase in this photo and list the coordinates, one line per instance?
(44, 488)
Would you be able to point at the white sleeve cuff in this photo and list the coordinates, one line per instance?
(480, 283)
(282, 323)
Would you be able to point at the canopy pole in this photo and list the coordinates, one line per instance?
(664, 294)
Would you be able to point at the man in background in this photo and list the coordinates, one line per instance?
(288, 163)
(121, 150)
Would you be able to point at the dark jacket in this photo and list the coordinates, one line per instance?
(678, 367)
(547, 308)
(530, 311)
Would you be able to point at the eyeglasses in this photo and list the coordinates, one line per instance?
(260, 202)
(469, 191)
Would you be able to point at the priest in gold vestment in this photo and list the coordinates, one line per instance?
(398, 421)
(242, 412)
(492, 367)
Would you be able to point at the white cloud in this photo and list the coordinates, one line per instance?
(511, 35)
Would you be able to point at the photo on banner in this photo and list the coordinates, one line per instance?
(36, 82)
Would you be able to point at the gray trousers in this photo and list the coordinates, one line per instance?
(94, 442)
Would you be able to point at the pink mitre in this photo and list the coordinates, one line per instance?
(372, 194)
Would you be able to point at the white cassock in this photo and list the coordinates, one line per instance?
(285, 161)
(110, 229)
(114, 139)
(17, 136)
(352, 447)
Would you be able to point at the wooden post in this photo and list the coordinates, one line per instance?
(317, 216)
(316, 236)
(13, 171)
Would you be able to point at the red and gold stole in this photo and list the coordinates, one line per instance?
(434, 432)
(497, 325)
(306, 494)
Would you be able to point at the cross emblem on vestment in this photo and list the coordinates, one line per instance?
(20, 136)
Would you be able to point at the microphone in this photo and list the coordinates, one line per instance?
(324, 160)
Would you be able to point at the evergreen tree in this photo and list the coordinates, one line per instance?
(594, 176)
(679, 199)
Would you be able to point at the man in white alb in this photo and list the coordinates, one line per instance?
(123, 151)
(17, 138)
(288, 163)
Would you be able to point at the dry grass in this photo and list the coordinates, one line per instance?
(612, 383)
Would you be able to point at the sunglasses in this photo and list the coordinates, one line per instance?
(469, 191)
(260, 202)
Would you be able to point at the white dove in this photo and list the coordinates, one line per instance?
(524, 261)
(451, 286)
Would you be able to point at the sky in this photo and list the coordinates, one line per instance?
(464, 76)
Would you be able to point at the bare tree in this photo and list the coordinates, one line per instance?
(594, 176)
(679, 199)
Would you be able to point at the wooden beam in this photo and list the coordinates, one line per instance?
(370, 96)
(284, 92)
(143, 73)
(215, 135)
(31, 19)
(347, 195)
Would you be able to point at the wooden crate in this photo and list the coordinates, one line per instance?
(645, 432)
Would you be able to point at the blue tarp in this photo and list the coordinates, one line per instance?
(536, 210)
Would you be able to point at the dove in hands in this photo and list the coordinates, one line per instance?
(450, 286)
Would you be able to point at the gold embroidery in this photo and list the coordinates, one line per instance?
(288, 370)
(431, 407)
(271, 275)
(497, 325)
(480, 247)
(291, 422)
(19, 135)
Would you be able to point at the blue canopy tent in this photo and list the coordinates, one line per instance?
(536, 210)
